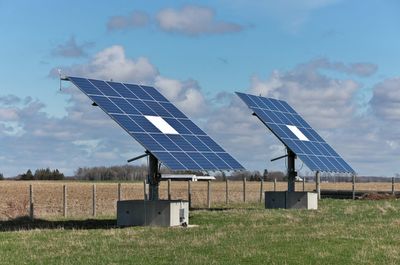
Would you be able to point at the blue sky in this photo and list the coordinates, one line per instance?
(335, 61)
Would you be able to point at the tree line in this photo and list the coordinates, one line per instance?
(42, 174)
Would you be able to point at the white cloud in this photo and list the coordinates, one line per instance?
(291, 14)
(136, 19)
(385, 102)
(112, 63)
(194, 20)
(72, 49)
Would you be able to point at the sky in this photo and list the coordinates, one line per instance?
(336, 62)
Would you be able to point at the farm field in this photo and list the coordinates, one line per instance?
(340, 232)
(48, 195)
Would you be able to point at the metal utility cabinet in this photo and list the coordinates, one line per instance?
(291, 200)
(153, 213)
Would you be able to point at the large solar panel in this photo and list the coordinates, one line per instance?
(296, 134)
(157, 125)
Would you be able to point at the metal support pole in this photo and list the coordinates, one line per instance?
(31, 210)
(275, 184)
(94, 200)
(209, 194)
(190, 193)
(226, 192)
(291, 172)
(318, 184)
(353, 186)
(153, 178)
(169, 189)
(244, 189)
(261, 189)
(64, 200)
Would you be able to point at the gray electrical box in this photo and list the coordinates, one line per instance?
(291, 200)
(152, 213)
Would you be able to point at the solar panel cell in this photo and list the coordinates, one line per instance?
(126, 122)
(122, 90)
(154, 93)
(125, 106)
(85, 86)
(106, 104)
(104, 88)
(139, 92)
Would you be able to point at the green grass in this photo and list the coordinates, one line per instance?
(341, 232)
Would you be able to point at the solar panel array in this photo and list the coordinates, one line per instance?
(296, 134)
(157, 125)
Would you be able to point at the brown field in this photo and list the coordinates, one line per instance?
(48, 195)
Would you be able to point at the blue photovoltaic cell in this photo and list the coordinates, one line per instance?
(314, 152)
(128, 104)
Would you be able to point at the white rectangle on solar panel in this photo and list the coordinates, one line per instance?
(161, 124)
(297, 132)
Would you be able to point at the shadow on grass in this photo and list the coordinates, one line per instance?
(211, 209)
(25, 223)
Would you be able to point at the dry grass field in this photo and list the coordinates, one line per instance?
(48, 195)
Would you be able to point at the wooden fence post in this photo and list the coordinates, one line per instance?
(393, 181)
(65, 200)
(353, 186)
(31, 210)
(275, 184)
(190, 193)
(261, 189)
(226, 192)
(304, 183)
(209, 194)
(94, 200)
(119, 192)
(169, 189)
(244, 189)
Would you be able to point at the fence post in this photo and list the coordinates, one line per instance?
(94, 200)
(275, 184)
(226, 192)
(119, 192)
(144, 190)
(244, 189)
(209, 194)
(393, 181)
(65, 200)
(304, 183)
(353, 186)
(169, 189)
(261, 189)
(31, 213)
(190, 193)
(318, 184)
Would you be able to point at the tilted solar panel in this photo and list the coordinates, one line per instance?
(296, 134)
(157, 125)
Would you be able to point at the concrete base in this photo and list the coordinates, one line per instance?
(291, 200)
(152, 213)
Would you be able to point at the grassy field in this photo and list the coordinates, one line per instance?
(48, 195)
(340, 232)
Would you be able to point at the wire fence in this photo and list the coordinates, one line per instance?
(52, 199)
